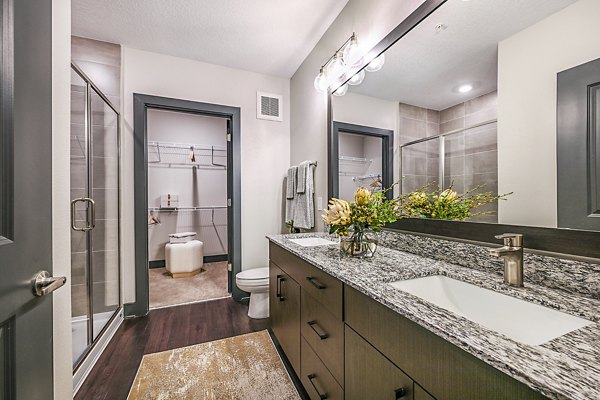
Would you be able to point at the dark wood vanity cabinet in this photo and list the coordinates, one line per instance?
(369, 375)
(284, 307)
(343, 344)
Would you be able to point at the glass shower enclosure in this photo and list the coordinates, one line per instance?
(95, 269)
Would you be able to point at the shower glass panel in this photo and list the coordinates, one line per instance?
(105, 192)
(465, 159)
(80, 305)
(95, 284)
(420, 165)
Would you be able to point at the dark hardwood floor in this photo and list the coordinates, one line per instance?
(161, 330)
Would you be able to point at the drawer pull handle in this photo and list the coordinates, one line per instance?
(280, 280)
(313, 325)
(400, 393)
(316, 283)
(321, 395)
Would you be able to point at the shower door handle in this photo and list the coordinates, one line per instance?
(91, 213)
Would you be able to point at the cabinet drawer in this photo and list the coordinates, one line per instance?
(316, 378)
(326, 289)
(444, 370)
(324, 333)
(284, 311)
(369, 375)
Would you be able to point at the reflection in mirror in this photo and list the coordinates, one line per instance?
(363, 157)
(471, 97)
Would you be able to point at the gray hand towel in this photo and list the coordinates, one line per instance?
(303, 170)
(290, 191)
(303, 204)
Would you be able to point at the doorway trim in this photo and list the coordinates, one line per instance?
(387, 152)
(141, 104)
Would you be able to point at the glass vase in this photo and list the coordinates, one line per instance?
(361, 243)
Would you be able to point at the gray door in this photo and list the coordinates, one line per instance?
(25, 199)
(578, 147)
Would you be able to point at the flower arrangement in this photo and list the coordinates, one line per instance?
(447, 204)
(369, 212)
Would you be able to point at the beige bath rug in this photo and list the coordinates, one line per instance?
(242, 367)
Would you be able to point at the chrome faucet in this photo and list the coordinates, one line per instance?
(512, 253)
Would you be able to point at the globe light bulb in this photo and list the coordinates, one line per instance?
(352, 52)
(341, 90)
(377, 63)
(321, 82)
(357, 78)
(336, 68)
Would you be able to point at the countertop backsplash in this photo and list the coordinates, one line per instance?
(572, 276)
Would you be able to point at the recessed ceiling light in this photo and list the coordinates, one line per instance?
(465, 88)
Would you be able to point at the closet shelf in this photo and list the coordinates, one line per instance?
(187, 154)
(366, 177)
(356, 159)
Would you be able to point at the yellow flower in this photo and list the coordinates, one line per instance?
(362, 196)
(337, 213)
(448, 194)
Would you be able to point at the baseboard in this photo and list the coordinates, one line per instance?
(206, 260)
(92, 357)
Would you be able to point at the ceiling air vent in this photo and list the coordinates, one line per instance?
(268, 106)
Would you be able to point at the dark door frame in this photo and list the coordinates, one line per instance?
(141, 104)
(387, 170)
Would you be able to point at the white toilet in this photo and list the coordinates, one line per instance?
(256, 282)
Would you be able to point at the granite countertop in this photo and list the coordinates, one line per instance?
(567, 367)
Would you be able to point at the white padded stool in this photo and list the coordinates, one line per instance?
(184, 259)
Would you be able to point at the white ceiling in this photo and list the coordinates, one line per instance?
(425, 68)
(266, 36)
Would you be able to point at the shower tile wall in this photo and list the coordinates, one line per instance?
(101, 61)
(471, 156)
(420, 162)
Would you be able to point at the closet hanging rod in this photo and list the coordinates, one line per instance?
(366, 177)
(187, 146)
(175, 209)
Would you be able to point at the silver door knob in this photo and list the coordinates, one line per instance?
(42, 283)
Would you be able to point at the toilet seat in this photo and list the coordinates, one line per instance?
(254, 277)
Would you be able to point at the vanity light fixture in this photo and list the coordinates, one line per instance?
(352, 52)
(347, 57)
(376, 64)
(465, 88)
(357, 78)
(341, 90)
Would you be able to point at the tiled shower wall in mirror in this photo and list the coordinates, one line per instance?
(470, 154)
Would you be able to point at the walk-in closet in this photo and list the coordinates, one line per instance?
(187, 207)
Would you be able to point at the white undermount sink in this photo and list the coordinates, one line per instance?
(312, 241)
(520, 320)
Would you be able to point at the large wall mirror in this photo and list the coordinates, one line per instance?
(496, 96)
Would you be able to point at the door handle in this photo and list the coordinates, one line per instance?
(313, 325)
(43, 283)
(400, 392)
(280, 280)
(92, 213)
(316, 283)
(310, 377)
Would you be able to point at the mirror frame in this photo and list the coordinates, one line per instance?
(577, 243)
(387, 151)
